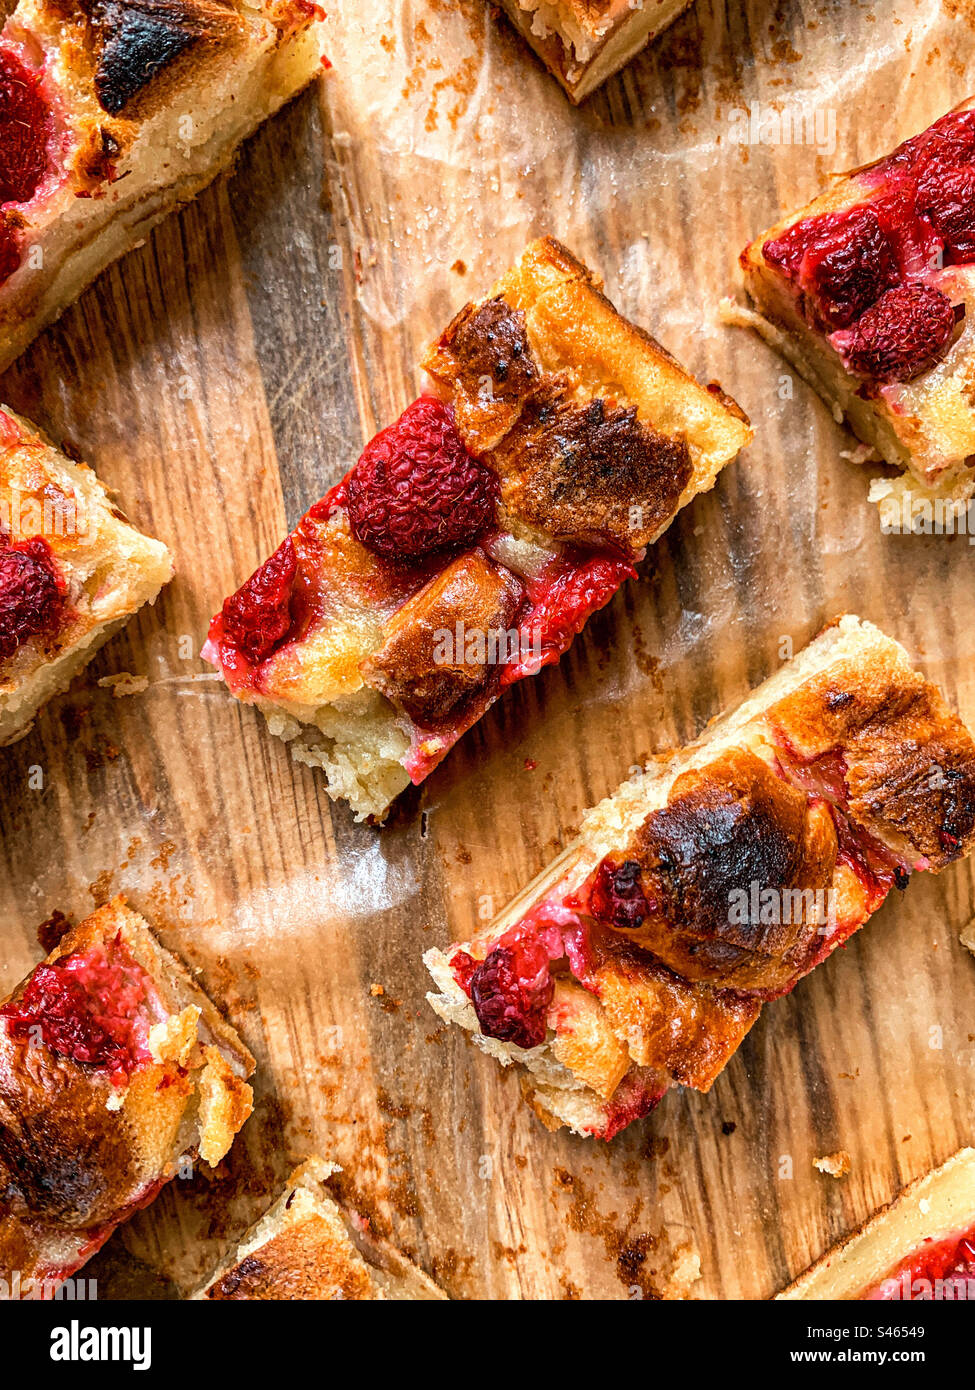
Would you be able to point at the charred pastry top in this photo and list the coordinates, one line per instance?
(909, 762)
(562, 397)
(726, 826)
(590, 471)
(138, 39)
(472, 595)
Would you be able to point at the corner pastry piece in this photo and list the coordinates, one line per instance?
(475, 536)
(112, 112)
(714, 881)
(583, 42)
(919, 1248)
(115, 1068)
(72, 572)
(306, 1247)
(870, 293)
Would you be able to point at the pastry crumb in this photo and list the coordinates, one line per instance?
(123, 684)
(967, 936)
(836, 1165)
(376, 991)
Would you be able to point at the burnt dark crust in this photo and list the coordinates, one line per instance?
(490, 345)
(303, 1261)
(136, 40)
(415, 670)
(64, 1156)
(590, 472)
(725, 828)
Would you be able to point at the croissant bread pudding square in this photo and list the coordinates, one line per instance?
(870, 291)
(475, 537)
(115, 1069)
(583, 42)
(714, 881)
(112, 112)
(307, 1247)
(919, 1247)
(72, 571)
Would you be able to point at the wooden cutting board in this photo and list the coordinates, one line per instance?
(220, 379)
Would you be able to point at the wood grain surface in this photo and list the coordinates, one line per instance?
(220, 379)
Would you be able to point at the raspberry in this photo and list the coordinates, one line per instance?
(24, 131)
(845, 261)
(86, 1007)
(511, 991)
(416, 489)
(903, 334)
(947, 198)
(258, 616)
(617, 896)
(31, 594)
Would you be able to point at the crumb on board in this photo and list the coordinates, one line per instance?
(376, 991)
(836, 1165)
(124, 683)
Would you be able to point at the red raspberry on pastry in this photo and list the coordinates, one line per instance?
(511, 991)
(417, 490)
(31, 594)
(24, 131)
(844, 261)
(87, 1007)
(257, 617)
(904, 333)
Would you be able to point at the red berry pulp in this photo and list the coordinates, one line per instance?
(941, 1270)
(417, 490)
(31, 594)
(257, 618)
(616, 895)
(91, 1006)
(848, 264)
(903, 334)
(561, 601)
(25, 136)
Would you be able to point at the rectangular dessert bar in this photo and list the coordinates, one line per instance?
(115, 1069)
(306, 1247)
(869, 292)
(72, 571)
(583, 42)
(920, 1246)
(111, 115)
(475, 536)
(714, 881)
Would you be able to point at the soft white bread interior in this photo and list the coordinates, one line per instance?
(111, 569)
(934, 1207)
(306, 1247)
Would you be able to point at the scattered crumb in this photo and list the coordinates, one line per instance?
(49, 933)
(967, 936)
(728, 1127)
(459, 268)
(376, 991)
(124, 683)
(836, 1165)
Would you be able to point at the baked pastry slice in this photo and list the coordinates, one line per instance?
(919, 1247)
(475, 536)
(112, 112)
(583, 42)
(72, 571)
(115, 1069)
(306, 1247)
(714, 881)
(870, 293)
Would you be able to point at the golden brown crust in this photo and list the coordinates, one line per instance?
(302, 1262)
(910, 762)
(430, 677)
(79, 1153)
(567, 401)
